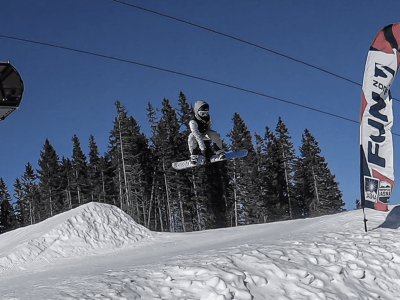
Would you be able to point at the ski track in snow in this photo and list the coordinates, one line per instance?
(326, 258)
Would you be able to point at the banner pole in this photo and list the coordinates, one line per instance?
(365, 221)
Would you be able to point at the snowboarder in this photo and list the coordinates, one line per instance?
(201, 135)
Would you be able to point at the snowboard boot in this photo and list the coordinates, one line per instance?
(194, 155)
(220, 154)
(207, 155)
(193, 159)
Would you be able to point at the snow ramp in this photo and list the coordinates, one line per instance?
(90, 229)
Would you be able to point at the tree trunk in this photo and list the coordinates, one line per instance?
(51, 208)
(197, 203)
(287, 188)
(138, 211)
(69, 196)
(172, 229)
(235, 191)
(182, 213)
(144, 213)
(155, 218)
(123, 161)
(151, 198)
(30, 212)
(161, 222)
(315, 185)
(120, 188)
(103, 186)
(198, 216)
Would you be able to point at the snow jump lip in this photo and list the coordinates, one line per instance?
(11, 89)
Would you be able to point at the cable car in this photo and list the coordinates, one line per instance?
(11, 89)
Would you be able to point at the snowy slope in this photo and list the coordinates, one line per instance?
(90, 229)
(328, 257)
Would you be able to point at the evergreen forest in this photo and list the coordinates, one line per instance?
(271, 183)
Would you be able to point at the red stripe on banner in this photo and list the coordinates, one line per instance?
(396, 32)
(363, 105)
(378, 175)
(381, 206)
(398, 60)
(381, 43)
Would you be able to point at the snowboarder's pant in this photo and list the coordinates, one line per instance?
(207, 135)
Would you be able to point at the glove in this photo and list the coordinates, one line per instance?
(206, 156)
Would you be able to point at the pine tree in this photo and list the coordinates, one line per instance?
(269, 171)
(135, 174)
(8, 220)
(277, 172)
(286, 160)
(50, 202)
(28, 199)
(241, 171)
(316, 189)
(79, 182)
(259, 178)
(217, 192)
(168, 145)
(20, 207)
(305, 176)
(185, 113)
(94, 171)
(67, 179)
(153, 208)
(128, 151)
(331, 200)
(109, 193)
(140, 172)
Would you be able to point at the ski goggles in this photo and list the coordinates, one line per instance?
(203, 113)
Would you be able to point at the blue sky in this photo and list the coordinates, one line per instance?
(69, 93)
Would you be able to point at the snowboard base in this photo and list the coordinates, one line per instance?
(180, 165)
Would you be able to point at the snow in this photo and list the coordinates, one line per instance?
(90, 229)
(98, 252)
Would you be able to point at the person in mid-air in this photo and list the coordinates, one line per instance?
(201, 134)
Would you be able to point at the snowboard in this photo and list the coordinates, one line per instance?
(180, 165)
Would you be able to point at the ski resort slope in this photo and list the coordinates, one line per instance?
(98, 252)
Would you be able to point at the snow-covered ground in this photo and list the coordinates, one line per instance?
(98, 252)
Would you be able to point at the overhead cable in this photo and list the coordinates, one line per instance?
(178, 73)
(235, 38)
(238, 39)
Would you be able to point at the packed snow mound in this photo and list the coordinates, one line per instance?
(90, 229)
(331, 258)
(328, 257)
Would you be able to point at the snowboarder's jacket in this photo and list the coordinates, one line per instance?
(199, 125)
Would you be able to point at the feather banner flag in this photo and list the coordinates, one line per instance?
(376, 119)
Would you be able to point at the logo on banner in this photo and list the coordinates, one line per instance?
(385, 190)
(380, 71)
(371, 188)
